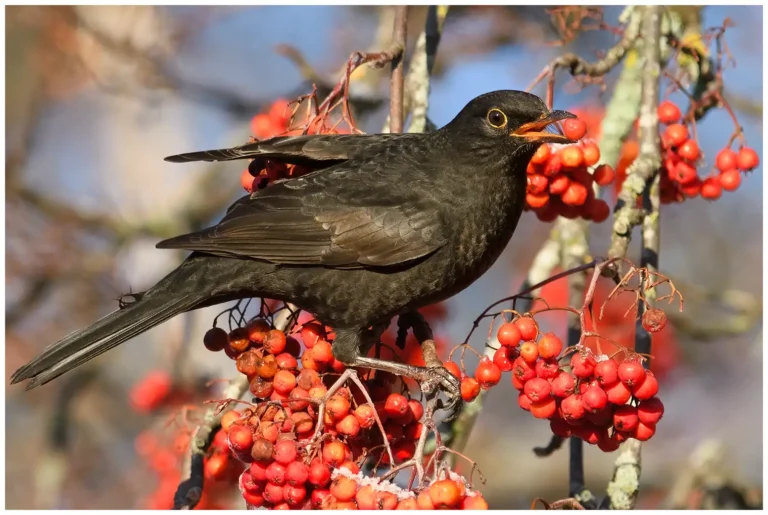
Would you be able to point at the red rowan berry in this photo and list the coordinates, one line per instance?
(711, 188)
(726, 159)
(607, 372)
(509, 335)
(730, 179)
(604, 175)
(676, 134)
(563, 385)
(618, 394)
(747, 159)
(689, 150)
(550, 346)
(668, 112)
(444, 494)
(544, 408)
(650, 411)
(547, 368)
(631, 373)
(594, 399)
(583, 365)
(574, 128)
(572, 408)
(644, 432)
(529, 352)
(488, 374)
(470, 389)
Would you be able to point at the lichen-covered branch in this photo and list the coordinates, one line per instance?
(417, 81)
(624, 487)
(627, 215)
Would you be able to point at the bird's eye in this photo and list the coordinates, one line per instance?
(497, 118)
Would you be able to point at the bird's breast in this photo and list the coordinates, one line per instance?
(485, 232)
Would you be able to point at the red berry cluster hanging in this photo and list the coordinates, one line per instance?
(594, 397)
(559, 180)
(681, 155)
(276, 122)
(293, 463)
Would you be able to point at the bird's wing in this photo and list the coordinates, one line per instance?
(304, 150)
(329, 218)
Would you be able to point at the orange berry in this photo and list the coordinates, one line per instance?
(229, 418)
(559, 184)
(574, 128)
(474, 502)
(668, 112)
(529, 351)
(544, 408)
(575, 195)
(444, 494)
(689, 150)
(529, 330)
(509, 335)
(747, 159)
(343, 488)
(542, 155)
(726, 159)
(537, 201)
(572, 156)
(676, 134)
(322, 352)
(711, 188)
(453, 368)
(730, 180)
(470, 389)
(591, 154)
(550, 346)
(604, 175)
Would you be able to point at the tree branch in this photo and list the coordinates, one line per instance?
(399, 38)
(624, 487)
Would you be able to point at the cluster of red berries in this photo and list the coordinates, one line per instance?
(681, 153)
(596, 398)
(296, 458)
(275, 121)
(617, 323)
(559, 180)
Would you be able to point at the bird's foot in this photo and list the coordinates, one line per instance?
(432, 380)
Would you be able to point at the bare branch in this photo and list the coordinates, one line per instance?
(399, 38)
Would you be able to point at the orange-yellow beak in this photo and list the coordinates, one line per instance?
(537, 131)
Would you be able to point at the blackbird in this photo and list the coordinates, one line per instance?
(384, 225)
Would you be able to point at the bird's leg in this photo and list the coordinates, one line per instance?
(432, 378)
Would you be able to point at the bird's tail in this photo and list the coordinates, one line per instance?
(180, 291)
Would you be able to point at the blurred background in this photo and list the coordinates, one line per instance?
(96, 97)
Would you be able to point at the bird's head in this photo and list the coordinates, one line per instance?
(507, 123)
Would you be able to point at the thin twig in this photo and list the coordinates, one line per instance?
(399, 38)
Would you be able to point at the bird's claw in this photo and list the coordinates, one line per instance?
(435, 379)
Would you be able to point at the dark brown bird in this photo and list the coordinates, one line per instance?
(389, 223)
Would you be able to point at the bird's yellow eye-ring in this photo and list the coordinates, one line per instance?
(497, 118)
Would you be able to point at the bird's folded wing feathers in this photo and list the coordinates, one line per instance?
(305, 149)
(316, 221)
